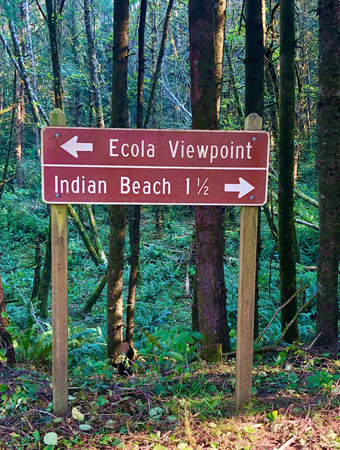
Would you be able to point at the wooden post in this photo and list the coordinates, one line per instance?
(59, 294)
(246, 291)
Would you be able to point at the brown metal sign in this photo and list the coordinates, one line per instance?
(129, 166)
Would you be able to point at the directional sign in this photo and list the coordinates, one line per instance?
(129, 166)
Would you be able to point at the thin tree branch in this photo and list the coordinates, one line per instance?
(62, 4)
(92, 252)
(315, 226)
(242, 18)
(304, 306)
(270, 221)
(13, 105)
(5, 181)
(159, 63)
(313, 342)
(40, 9)
(277, 311)
(305, 197)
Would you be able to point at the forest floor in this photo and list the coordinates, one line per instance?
(296, 405)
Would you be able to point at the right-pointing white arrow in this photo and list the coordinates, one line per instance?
(242, 188)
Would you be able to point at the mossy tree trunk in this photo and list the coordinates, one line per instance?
(328, 174)
(254, 95)
(117, 213)
(141, 63)
(80, 227)
(135, 246)
(286, 156)
(93, 64)
(90, 302)
(135, 235)
(95, 234)
(54, 9)
(206, 24)
(115, 322)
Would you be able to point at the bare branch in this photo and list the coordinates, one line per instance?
(277, 311)
(40, 9)
(62, 4)
(304, 306)
(9, 108)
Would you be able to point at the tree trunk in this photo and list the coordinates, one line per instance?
(158, 221)
(273, 108)
(53, 19)
(159, 63)
(19, 64)
(135, 245)
(45, 282)
(95, 234)
(211, 292)
(328, 174)
(254, 58)
(90, 107)
(37, 269)
(4, 175)
(120, 114)
(54, 26)
(254, 96)
(135, 235)
(1, 89)
(157, 208)
(20, 117)
(93, 64)
(117, 213)
(195, 320)
(5, 337)
(154, 52)
(19, 138)
(75, 55)
(115, 282)
(219, 47)
(80, 227)
(33, 69)
(235, 92)
(96, 294)
(286, 168)
(141, 63)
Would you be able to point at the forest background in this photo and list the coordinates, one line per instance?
(59, 54)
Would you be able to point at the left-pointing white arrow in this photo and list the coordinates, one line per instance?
(242, 188)
(73, 147)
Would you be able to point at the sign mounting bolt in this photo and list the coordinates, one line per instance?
(57, 135)
(57, 195)
(251, 197)
(254, 138)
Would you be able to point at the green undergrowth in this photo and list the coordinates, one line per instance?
(170, 398)
(159, 406)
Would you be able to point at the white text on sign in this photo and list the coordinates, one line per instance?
(181, 149)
